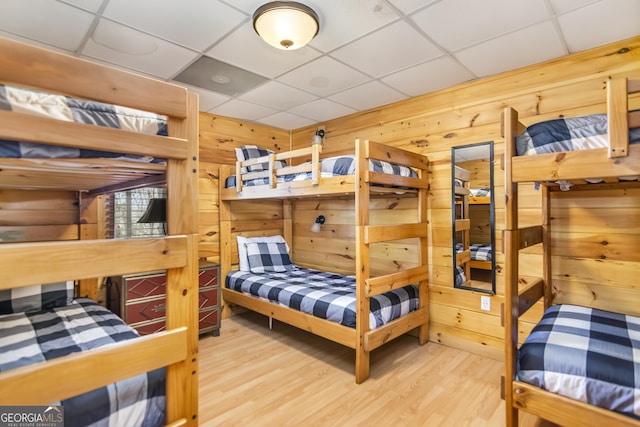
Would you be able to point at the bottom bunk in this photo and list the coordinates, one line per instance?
(323, 303)
(585, 354)
(34, 336)
(322, 294)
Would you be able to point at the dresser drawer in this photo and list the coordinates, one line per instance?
(208, 321)
(144, 310)
(143, 301)
(145, 286)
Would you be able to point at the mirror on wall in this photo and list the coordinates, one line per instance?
(472, 202)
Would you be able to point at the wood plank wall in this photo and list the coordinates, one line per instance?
(431, 124)
(469, 113)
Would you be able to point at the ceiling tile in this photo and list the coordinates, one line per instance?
(408, 6)
(321, 110)
(617, 20)
(389, 49)
(195, 24)
(564, 6)
(208, 99)
(480, 21)
(524, 47)
(51, 23)
(245, 49)
(324, 76)
(90, 5)
(286, 121)
(277, 95)
(369, 95)
(243, 109)
(157, 57)
(346, 20)
(436, 74)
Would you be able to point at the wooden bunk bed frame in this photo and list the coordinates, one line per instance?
(86, 260)
(521, 293)
(360, 186)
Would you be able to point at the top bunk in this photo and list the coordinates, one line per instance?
(59, 100)
(475, 196)
(383, 169)
(579, 150)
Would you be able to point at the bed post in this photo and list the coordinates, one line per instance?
(511, 246)
(362, 260)
(423, 210)
(182, 283)
(225, 234)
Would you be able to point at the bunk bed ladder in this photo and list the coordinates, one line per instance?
(367, 234)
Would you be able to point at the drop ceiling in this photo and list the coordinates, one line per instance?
(367, 53)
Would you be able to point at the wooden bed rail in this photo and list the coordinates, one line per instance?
(83, 259)
(381, 284)
(272, 173)
(65, 377)
(52, 71)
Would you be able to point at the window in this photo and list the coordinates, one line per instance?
(126, 208)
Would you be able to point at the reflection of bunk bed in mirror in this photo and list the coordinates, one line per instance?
(579, 364)
(461, 227)
(368, 175)
(39, 371)
(480, 228)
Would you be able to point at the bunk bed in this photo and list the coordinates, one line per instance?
(576, 367)
(371, 179)
(38, 278)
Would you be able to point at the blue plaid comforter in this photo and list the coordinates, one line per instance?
(585, 354)
(568, 134)
(334, 166)
(322, 294)
(28, 338)
(68, 109)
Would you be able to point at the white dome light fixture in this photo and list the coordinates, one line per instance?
(286, 25)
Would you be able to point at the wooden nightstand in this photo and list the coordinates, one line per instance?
(142, 302)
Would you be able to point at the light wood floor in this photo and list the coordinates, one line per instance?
(252, 376)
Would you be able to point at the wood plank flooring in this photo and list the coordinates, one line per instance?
(253, 376)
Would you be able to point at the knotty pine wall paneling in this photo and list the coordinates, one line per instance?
(431, 124)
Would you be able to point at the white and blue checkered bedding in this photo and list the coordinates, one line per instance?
(460, 277)
(568, 134)
(322, 294)
(334, 166)
(28, 338)
(479, 251)
(585, 354)
(68, 109)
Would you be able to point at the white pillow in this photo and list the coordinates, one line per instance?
(242, 247)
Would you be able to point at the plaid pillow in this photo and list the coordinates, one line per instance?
(247, 152)
(36, 298)
(242, 247)
(268, 257)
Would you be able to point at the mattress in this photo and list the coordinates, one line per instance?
(322, 294)
(568, 134)
(333, 166)
(585, 354)
(69, 109)
(33, 337)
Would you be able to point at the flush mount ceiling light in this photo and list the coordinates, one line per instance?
(286, 25)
